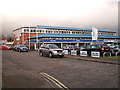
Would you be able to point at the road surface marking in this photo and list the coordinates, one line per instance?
(55, 81)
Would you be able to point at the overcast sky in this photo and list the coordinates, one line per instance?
(102, 14)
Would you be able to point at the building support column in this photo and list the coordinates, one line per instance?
(78, 44)
(35, 46)
(85, 44)
(61, 45)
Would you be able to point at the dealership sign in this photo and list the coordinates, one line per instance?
(83, 53)
(73, 52)
(95, 54)
(64, 40)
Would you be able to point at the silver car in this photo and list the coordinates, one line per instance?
(50, 50)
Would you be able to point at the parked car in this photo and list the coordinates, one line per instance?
(21, 48)
(15, 48)
(4, 47)
(97, 47)
(72, 47)
(9, 47)
(50, 50)
(115, 50)
(81, 48)
(69, 47)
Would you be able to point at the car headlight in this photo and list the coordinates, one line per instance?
(54, 51)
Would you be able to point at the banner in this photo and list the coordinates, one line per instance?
(95, 54)
(83, 53)
(73, 52)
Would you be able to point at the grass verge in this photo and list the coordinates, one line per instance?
(111, 58)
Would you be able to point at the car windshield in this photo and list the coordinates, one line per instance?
(22, 46)
(8, 46)
(106, 46)
(76, 47)
(53, 47)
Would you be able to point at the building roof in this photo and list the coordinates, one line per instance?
(52, 35)
(69, 28)
(64, 28)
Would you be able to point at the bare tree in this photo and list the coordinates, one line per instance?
(3, 37)
(10, 37)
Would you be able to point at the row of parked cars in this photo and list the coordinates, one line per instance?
(52, 50)
(102, 48)
(18, 48)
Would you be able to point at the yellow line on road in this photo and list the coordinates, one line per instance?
(51, 80)
(55, 81)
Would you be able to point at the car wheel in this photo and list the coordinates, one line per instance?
(50, 55)
(40, 53)
(19, 50)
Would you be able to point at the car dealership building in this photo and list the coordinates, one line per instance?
(36, 35)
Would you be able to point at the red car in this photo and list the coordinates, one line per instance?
(4, 47)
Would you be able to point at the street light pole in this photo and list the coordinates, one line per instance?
(37, 37)
(29, 37)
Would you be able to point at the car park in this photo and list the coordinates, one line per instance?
(50, 50)
(102, 48)
(21, 48)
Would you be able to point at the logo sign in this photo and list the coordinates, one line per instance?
(95, 54)
(83, 53)
(24, 41)
(65, 51)
(73, 52)
(52, 40)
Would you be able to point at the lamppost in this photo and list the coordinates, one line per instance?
(37, 38)
(29, 37)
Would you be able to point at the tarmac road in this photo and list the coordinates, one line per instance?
(22, 70)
